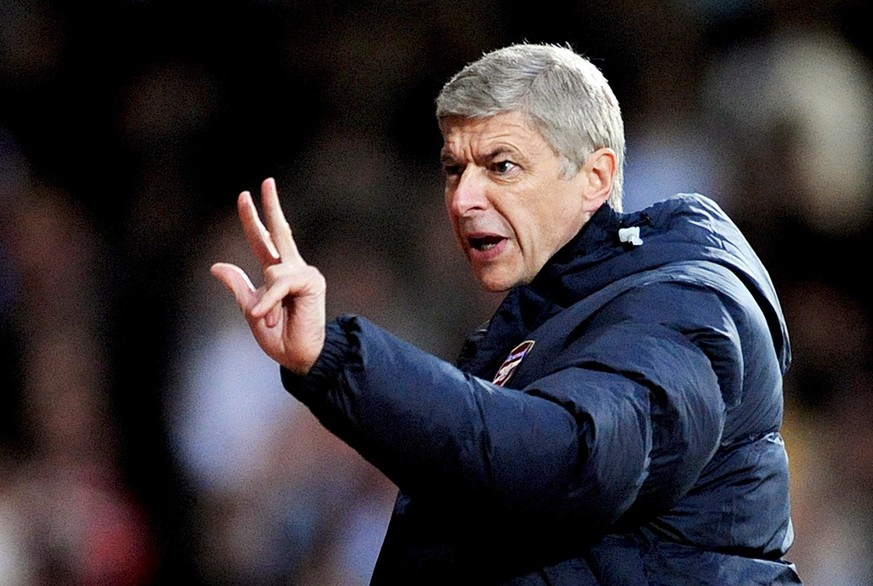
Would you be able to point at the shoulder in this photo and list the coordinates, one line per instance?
(694, 203)
(688, 211)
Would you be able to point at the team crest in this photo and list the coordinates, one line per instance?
(511, 363)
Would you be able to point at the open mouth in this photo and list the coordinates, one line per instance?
(485, 242)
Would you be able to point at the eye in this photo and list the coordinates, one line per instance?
(503, 167)
(451, 169)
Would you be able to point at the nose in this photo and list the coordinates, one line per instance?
(467, 193)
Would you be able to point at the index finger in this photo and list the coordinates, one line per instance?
(256, 233)
(280, 230)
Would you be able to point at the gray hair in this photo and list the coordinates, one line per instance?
(565, 97)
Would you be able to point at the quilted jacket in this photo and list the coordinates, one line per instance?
(616, 421)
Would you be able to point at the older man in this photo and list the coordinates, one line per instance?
(617, 420)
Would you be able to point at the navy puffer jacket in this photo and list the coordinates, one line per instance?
(616, 422)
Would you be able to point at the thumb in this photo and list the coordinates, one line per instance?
(237, 282)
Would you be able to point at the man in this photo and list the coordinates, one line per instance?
(616, 422)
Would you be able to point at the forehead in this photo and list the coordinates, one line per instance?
(473, 136)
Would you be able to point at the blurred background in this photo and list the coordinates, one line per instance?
(143, 436)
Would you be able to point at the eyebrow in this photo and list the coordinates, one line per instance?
(446, 157)
(500, 151)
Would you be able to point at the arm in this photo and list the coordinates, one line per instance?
(431, 428)
(579, 441)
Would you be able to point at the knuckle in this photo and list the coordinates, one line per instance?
(313, 273)
(294, 276)
(285, 228)
(273, 272)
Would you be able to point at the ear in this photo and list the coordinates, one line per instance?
(599, 171)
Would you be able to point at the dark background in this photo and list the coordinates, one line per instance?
(127, 129)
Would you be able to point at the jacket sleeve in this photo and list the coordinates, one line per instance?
(650, 409)
(629, 412)
(648, 376)
(433, 429)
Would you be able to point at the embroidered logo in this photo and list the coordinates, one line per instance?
(512, 361)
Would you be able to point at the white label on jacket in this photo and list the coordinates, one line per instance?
(512, 361)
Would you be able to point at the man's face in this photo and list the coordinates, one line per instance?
(510, 208)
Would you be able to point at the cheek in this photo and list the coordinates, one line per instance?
(453, 223)
(548, 220)
(552, 226)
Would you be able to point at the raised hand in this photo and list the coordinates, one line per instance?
(287, 313)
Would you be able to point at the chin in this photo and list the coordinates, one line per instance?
(495, 288)
(495, 285)
(498, 277)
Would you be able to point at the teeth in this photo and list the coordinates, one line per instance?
(486, 243)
